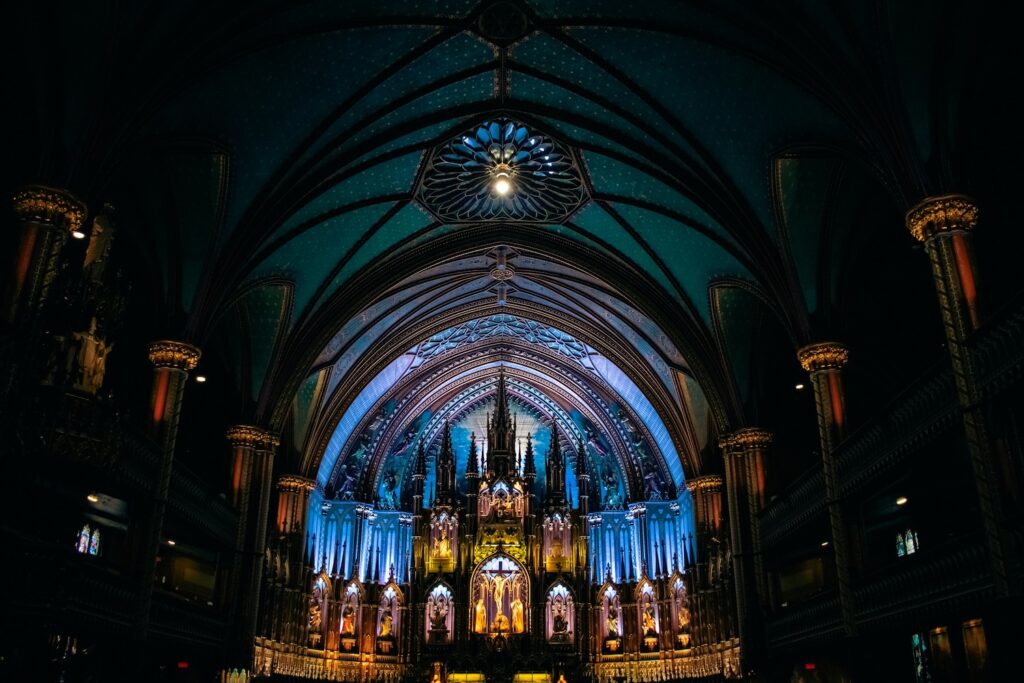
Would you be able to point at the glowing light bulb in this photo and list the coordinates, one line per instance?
(902, 500)
(502, 186)
(78, 234)
(92, 498)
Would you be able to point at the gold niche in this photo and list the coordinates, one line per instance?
(746, 439)
(823, 356)
(48, 205)
(173, 354)
(944, 213)
(290, 483)
(709, 482)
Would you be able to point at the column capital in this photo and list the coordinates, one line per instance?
(49, 205)
(823, 356)
(943, 213)
(247, 435)
(708, 482)
(291, 483)
(174, 354)
(746, 439)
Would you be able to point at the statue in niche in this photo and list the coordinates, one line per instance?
(613, 621)
(385, 624)
(559, 624)
(442, 545)
(479, 617)
(649, 625)
(348, 620)
(90, 361)
(438, 617)
(517, 616)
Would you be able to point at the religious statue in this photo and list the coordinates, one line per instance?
(650, 627)
(438, 616)
(684, 617)
(436, 678)
(558, 621)
(314, 623)
(348, 620)
(613, 622)
(517, 616)
(385, 625)
(442, 546)
(479, 617)
(90, 359)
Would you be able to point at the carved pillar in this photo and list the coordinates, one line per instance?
(944, 225)
(171, 361)
(252, 458)
(45, 218)
(743, 452)
(292, 506)
(824, 361)
(706, 492)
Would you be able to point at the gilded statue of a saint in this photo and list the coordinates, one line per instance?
(348, 620)
(517, 616)
(650, 627)
(385, 624)
(479, 617)
(91, 359)
(613, 622)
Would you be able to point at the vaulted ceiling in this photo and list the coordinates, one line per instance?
(297, 188)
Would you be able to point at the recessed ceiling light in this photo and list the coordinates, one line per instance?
(902, 500)
(92, 498)
(171, 542)
(799, 387)
(824, 544)
(78, 234)
(200, 378)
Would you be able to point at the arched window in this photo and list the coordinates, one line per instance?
(560, 616)
(88, 541)
(440, 617)
(84, 537)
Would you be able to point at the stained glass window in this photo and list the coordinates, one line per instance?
(94, 543)
(906, 543)
(84, 537)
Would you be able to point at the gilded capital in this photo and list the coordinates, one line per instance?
(246, 435)
(290, 483)
(173, 354)
(823, 356)
(708, 482)
(746, 439)
(49, 205)
(944, 213)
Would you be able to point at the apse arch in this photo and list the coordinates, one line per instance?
(679, 324)
(545, 366)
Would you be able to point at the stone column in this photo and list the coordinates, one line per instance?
(249, 489)
(172, 361)
(292, 505)
(743, 452)
(944, 225)
(262, 472)
(706, 492)
(824, 361)
(45, 218)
